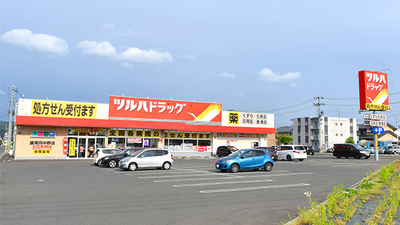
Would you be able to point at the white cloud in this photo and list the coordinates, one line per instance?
(2, 92)
(230, 75)
(267, 74)
(37, 42)
(108, 26)
(188, 57)
(145, 56)
(236, 95)
(105, 49)
(127, 65)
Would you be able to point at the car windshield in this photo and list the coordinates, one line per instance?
(122, 152)
(232, 148)
(359, 147)
(237, 153)
(137, 152)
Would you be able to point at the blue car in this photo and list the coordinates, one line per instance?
(246, 159)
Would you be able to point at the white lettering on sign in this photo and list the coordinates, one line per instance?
(147, 106)
(377, 116)
(377, 123)
(377, 78)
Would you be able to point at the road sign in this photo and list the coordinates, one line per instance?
(378, 130)
(366, 123)
(377, 123)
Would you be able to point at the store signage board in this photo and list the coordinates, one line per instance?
(378, 130)
(373, 88)
(163, 110)
(377, 123)
(377, 117)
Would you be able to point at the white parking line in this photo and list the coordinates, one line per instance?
(366, 164)
(236, 177)
(188, 175)
(252, 188)
(218, 183)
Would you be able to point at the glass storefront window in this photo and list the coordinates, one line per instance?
(190, 145)
(175, 144)
(117, 142)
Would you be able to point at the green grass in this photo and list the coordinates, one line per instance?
(343, 204)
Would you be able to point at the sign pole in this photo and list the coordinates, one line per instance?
(376, 147)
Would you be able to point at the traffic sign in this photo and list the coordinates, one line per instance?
(377, 123)
(378, 130)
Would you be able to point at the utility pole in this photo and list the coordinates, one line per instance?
(11, 114)
(321, 123)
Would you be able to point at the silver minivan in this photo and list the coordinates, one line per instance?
(148, 158)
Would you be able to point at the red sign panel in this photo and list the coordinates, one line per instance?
(65, 145)
(374, 93)
(144, 108)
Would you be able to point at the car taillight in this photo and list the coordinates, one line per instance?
(296, 152)
(172, 157)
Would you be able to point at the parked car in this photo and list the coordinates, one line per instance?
(393, 149)
(225, 150)
(113, 160)
(350, 150)
(309, 149)
(100, 153)
(148, 158)
(329, 150)
(290, 152)
(382, 150)
(271, 151)
(246, 159)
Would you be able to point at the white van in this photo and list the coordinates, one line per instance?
(290, 152)
(148, 158)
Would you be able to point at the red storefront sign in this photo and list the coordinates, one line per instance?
(164, 110)
(373, 87)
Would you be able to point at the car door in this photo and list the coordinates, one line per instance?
(247, 159)
(146, 159)
(259, 159)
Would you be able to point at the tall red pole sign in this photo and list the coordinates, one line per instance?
(374, 93)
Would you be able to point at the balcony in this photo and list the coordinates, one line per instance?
(314, 137)
(314, 127)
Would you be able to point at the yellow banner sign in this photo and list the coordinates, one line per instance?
(63, 109)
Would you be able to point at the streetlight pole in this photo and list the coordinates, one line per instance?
(13, 89)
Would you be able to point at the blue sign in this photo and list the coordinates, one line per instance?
(378, 130)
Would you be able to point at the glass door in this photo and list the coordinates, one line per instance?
(91, 147)
(82, 147)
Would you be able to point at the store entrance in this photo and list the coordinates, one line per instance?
(85, 147)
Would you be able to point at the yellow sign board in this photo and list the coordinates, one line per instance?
(63, 109)
(72, 145)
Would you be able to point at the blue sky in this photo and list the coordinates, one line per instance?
(259, 56)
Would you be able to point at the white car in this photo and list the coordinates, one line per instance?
(394, 149)
(148, 158)
(290, 152)
(100, 153)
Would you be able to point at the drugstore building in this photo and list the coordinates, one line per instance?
(47, 129)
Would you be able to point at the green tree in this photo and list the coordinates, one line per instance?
(284, 139)
(350, 140)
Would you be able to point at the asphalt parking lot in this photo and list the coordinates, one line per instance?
(192, 192)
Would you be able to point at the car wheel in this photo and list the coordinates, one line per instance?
(301, 159)
(289, 158)
(223, 171)
(218, 155)
(234, 168)
(112, 163)
(276, 159)
(338, 156)
(268, 166)
(132, 166)
(357, 156)
(166, 166)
